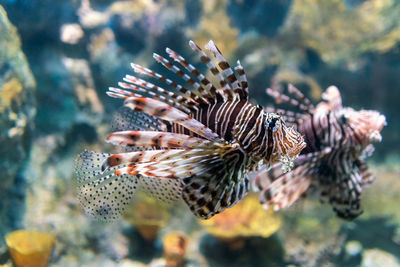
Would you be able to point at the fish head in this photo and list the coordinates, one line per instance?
(365, 125)
(286, 142)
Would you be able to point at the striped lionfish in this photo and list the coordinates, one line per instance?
(196, 144)
(338, 141)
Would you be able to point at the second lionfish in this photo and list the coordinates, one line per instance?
(338, 141)
(197, 144)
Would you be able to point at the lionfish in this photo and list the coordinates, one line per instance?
(338, 141)
(197, 144)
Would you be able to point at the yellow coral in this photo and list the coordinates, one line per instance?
(338, 32)
(100, 42)
(286, 76)
(136, 7)
(381, 199)
(148, 215)
(9, 93)
(245, 219)
(215, 25)
(175, 246)
(30, 248)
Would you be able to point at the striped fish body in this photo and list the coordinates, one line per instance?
(197, 144)
(263, 136)
(338, 141)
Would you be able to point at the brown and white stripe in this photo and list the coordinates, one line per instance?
(338, 139)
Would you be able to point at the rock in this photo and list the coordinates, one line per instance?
(51, 72)
(17, 109)
(131, 263)
(353, 249)
(71, 33)
(41, 18)
(266, 16)
(378, 258)
(352, 253)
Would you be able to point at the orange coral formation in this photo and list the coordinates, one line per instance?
(30, 248)
(148, 215)
(175, 247)
(245, 219)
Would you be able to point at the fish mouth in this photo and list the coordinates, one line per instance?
(375, 137)
(289, 146)
(376, 125)
(296, 150)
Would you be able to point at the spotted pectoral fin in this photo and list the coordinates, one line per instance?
(102, 194)
(213, 175)
(212, 194)
(223, 184)
(166, 190)
(126, 119)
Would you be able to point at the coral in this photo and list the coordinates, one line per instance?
(105, 54)
(71, 33)
(134, 8)
(324, 27)
(52, 204)
(148, 215)
(82, 80)
(285, 76)
(9, 93)
(377, 257)
(175, 247)
(245, 219)
(264, 17)
(30, 248)
(381, 199)
(90, 18)
(216, 25)
(17, 110)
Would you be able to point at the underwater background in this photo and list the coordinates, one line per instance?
(57, 59)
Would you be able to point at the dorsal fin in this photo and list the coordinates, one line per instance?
(227, 70)
(184, 99)
(297, 100)
(167, 64)
(243, 79)
(203, 86)
(223, 84)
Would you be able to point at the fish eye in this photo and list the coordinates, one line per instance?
(343, 119)
(274, 124)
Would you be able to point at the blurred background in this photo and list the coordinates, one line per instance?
(57, 59)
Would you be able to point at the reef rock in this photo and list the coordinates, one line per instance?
(376, 258)
(17, 109)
